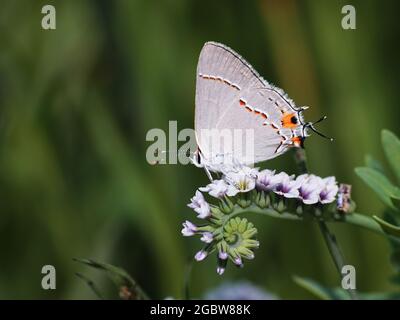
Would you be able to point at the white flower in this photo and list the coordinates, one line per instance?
(217, 163)
(189, 229)
(250, 172)
(219, 188)
(329, 190)
(200, 206)
(241, 169)
(207, 237)
(265, 180)
(285, 185)
(310, 187)
(241, 181)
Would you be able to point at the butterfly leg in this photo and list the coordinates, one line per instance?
(208, 173)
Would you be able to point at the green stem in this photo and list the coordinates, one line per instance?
(335, 252)
(266, 212)
(356, 219)
(330, 239)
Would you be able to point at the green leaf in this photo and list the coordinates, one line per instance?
(388, 227)
(380, 296)
(392, 219)
(391, 146)
(120, 277)
(372, 163)
(380, 184)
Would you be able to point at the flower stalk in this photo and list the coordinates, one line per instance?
(328, 236)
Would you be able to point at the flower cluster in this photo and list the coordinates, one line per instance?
(231, 237)
(234, 238)
(308, 188)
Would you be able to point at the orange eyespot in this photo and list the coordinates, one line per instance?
(298, 142)
(289, 120)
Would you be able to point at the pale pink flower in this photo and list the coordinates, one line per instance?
(200, 205)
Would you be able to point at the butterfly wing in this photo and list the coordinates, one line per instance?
(231, 95)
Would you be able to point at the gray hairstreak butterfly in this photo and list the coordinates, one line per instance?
(231, 95)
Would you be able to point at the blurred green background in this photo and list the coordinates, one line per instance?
(76, 104)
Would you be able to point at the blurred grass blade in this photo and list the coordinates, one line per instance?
(91, 285)
(128, 287)
(380, 184)
(391, 146)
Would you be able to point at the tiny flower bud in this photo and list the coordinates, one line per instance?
(280, 207)
(220, 270)
(257, 198)
(216, 212)
(201, 255)
(223, 255)
(251, 243)
(344, 198)
(238, 261)
(200, 206)
(226, 205)
(299, 210)
(250, 256)
(249, 233)
(243, 201)
(263, 200)
(267, 199)
(189, 229)
(317, 212)
(246, 253)
(207, 237)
